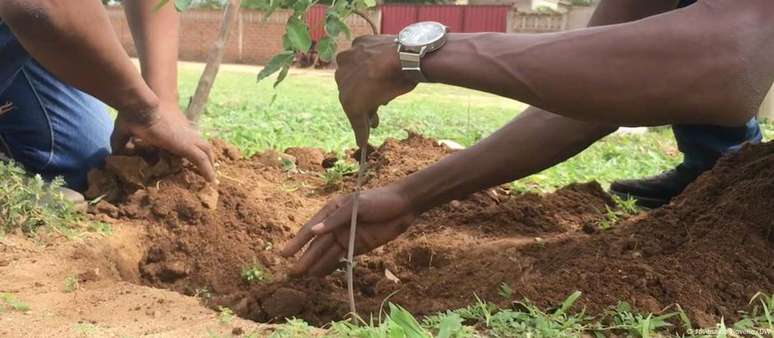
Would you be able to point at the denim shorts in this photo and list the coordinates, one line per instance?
(49, 127)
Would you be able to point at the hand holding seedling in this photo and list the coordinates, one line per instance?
(383, 215)
(368, 76)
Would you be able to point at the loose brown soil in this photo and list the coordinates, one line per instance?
(709, 251)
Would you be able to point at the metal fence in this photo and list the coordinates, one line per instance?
(461, 19)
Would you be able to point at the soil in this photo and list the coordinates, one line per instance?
(710, 250)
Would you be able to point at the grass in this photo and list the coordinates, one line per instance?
(28, 204)
(9, 301)
(334, 176)
(524, 319)
(254, 274)
(612, 215)
(225, 315)
(71, 284)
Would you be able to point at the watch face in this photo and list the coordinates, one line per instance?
(421, 33)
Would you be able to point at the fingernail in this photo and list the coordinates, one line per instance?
(317, 227)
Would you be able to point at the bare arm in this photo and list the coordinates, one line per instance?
(709, 63)
(156, 37)
(75, 42)
(549, 138)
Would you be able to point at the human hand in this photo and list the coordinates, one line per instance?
(168, 129)
(383, 214)
(368, 76)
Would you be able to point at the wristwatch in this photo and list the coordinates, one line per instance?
(417, 40)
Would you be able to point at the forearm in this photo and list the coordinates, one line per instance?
(77, 44)
(156, 37)
(703, 64)
(534, 141)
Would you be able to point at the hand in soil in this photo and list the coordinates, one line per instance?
(368, 75)
(168, 130)
(383, 215)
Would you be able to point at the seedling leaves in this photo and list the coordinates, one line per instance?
(327, 48)
(278, 62)
(298, 35)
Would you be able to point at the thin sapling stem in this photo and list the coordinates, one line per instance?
(353, 231)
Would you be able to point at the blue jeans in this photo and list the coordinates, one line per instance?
(702, 145)
(47, 126)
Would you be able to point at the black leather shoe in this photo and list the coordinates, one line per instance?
(655, 191)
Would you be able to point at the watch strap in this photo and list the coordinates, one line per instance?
(411, 64)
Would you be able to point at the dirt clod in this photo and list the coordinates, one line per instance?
(310, 159)
(209, 197)
(284, 303)
(274, 159)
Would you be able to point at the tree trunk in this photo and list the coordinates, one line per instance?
(214, 58)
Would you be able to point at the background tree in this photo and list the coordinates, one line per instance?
(214, 58)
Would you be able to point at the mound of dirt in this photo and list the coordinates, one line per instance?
(710, 250)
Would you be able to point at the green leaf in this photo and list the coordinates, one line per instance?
(339, 8)
(182, 5)
(403, 324)
(300, 6)
(284, 58)
(298, 35)
(334, 26)
(326, 48)
(369, 3)
(567, 304)
(283, 73)
(449, 326)
(286, 42)
(273, 4)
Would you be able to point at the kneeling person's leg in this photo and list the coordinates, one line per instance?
(702, 146)
(53, 129)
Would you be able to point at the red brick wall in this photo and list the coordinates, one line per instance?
(254, 41)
